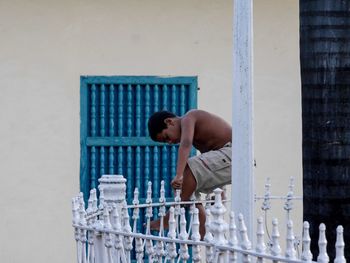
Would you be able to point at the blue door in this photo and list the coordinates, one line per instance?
(114, 135)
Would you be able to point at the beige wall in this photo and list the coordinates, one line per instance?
(47, 45)
(278, 138)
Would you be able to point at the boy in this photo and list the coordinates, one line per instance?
(208, 133)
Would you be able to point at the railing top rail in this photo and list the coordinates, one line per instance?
(237, 249)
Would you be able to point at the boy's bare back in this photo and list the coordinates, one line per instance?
(210, 131)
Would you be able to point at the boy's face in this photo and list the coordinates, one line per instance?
(171, 134)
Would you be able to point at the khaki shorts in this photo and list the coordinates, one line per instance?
(211, 169)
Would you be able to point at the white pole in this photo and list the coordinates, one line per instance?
(242, 113)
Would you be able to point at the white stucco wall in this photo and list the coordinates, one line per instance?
(278, 132)
(47, 45)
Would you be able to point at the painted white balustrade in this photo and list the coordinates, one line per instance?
(107, 234)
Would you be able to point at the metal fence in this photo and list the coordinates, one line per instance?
(105, 233)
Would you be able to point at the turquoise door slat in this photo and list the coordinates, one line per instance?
(114, 135)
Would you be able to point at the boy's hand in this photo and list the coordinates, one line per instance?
(176, 183)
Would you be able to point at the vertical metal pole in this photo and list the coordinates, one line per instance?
(242, 113)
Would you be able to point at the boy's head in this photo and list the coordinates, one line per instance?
(164, 126)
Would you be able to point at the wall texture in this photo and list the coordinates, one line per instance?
(278, 138)
(47, 45)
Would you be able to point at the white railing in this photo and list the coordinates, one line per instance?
(265, 202)
(105, 233)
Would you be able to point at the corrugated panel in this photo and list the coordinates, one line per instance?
(114, 133)
(325, 78)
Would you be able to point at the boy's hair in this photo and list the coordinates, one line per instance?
(156, 123)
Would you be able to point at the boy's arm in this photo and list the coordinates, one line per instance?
(187, 132)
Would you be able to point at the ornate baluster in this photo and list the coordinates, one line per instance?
(136, 212)
(127, 229)
(81, 200)
(118, 241)
(102, 197)
(160, 252)
(120, 111)
(183, 251)
(129, 173)
(156, 98)
(165, 97)
(82, 223)
(92, 207)
(147, 170)
(139, 249)
(196, 237)
(156, 178)
(245, 243)
(275, 246)
(147, 107)
(120, 160)
(182, 100)
(191, 212)
(288, 206)
(90, 240)
(290, 250)
(111, 127)
(138, 111)
(173, 99)
(233, 241)
(177, 200)
(90, 201)
(93, 167)
(171, 246)
(103, 111)
(306, 255)
(207, 201)
(162, 209)
(135, 217)
(208, 237)
(156, 174)
(129, 111)
(111, 111)
(260, 242)
(149, 214)
(93, 110)
(138, 167)
(322, 245)
(94, 200)
(76, 219)
(218, 226)
(102, 127)
(102, 161)
(108, 240)
(93, 131)
(339, 246)
(266, 205)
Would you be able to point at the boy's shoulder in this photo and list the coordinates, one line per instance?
(195, 112)
(192, 115)
(199, 114)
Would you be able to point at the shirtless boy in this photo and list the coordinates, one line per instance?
(209, 134)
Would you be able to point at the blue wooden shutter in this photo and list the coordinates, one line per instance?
(114, 135)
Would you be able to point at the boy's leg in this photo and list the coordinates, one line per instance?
(201, 216)
(188, 187)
